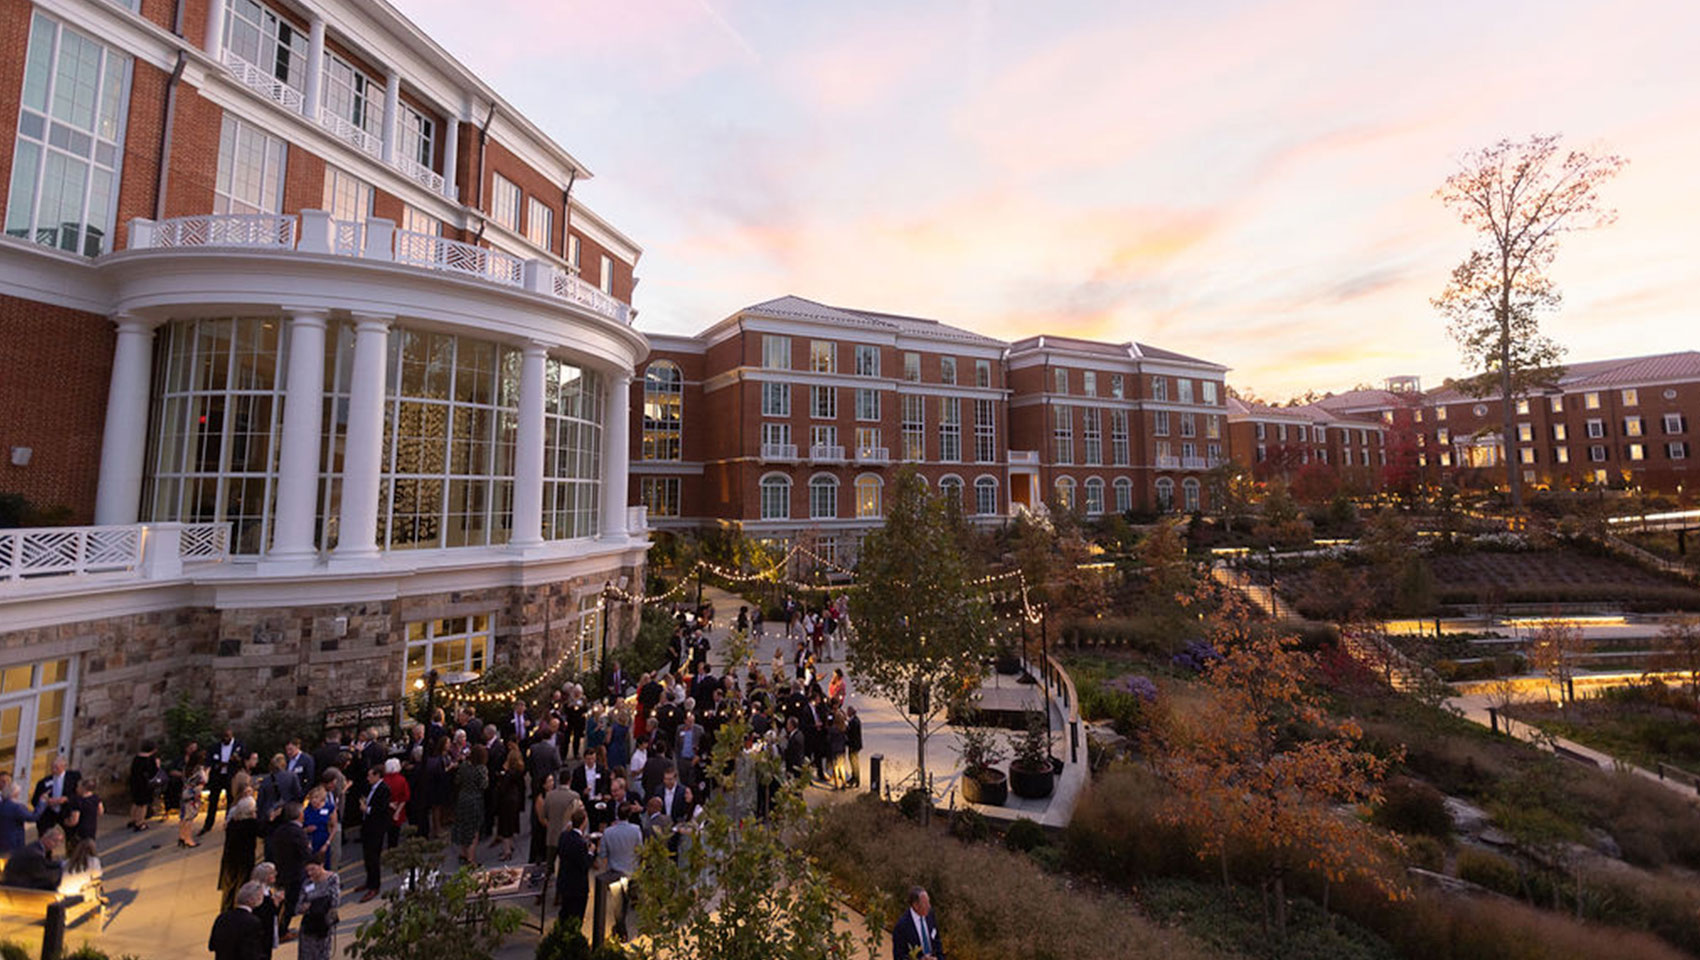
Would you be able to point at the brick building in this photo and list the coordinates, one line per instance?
(1309, 444)
(316, 334)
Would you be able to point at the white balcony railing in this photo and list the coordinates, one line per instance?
(1168, 462)
(1024, 458)
(824, 453)
(873, 455)
(419, 173)
(436, 253)
(1194, 463)
(343, 129)
(375, 239)
(152, 550)
(264, 83)
(782, 452)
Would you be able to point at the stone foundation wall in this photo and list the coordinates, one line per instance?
(242, 662)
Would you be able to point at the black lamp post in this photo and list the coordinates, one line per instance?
(609, 596)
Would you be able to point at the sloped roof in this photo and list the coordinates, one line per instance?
(1653, 368)
(790, 307)
(1125, 351)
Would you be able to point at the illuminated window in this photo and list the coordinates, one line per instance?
(823, 497)
(867, 360)
(986, 496)
(823, 356)
(912, 367)
(775, 352)
(1065, 493)
(775, 497)
(867, 496)
(663, 411)
(449, 645)
(1094, 496)
(661, 496)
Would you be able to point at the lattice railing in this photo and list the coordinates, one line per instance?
(341, 128)
(436, 253)
(575, 290)
(347, 237)
(227, 230)
(420, 174)
(204, 541)
(57, 551)
(264, 83)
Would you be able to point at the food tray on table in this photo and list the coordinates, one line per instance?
(518, 880)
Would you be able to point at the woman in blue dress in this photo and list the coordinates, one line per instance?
(319, 820)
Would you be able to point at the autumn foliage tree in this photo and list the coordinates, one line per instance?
(1553, 650)
(1263, 766)
(1519, 198)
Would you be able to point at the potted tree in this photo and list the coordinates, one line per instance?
(981, 752)
(1031, 774)
(1007, 660)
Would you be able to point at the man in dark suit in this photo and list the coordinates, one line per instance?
(288, 848)
(591, 779)
(544, 758)
(223, 760)
(376, 804)
(329, 755)
(675, 797)
(238, 934)
(53, 795)
(572, 884)
(617, 681)
(917, 931)
(517, 725)
(301, 763)
(33, 866)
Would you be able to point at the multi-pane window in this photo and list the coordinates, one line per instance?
(982, 373)
(1526, 454)
(1304, 431)
(1561, 455)
(415, 136)
(1209, 388)
(1190, 491)
(1159, 388)
(1124, 494)
(450, 645)
(1261, 430)
(250, 169)
(1440, 413)
(1560, 432)
(1089, 382)
(1094, 496)
(1213, 427)
(504, 201)
(1632, 426)
(867, 496)
(912, 367)
(1062, 434)
(986, 496)
(1637, 451)
(1185, 388)
(947, 370)
(823, 497)
(775, 434)
(1522, 406)
(663, 411)
(1060, 377)
(1674, 424)
(950, 490)
(1065, 493)
(1118, 438)
(867, 404)
(1091, 432)
(1165, 494)
(823, 438)
(1160, 423)
(219, 393)
(823, 403)
(1525, 432)
(867, 360)
(256, 34)
(1591, 401)
(775, 352)
(868, 442)
(70, 140)
(346, 196)
(353, 96)
(572, 450)
(539, 223)
(1677, 450)
(415, 220)
(1631, 397)
(823, 356)
(914, 428)
(1597, 453)
(985, 432)
(1556, 404)
(950, 429)
(775, 497)
(605, 282)
(776, 399)
(1596, 429)
(1189, 425)
(660, 495)
(1116, 386)
(573, 252)
(1281, 432)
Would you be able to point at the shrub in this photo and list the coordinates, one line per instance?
(1232, 918)
(1665, 905)
(1490, 870)
(969, 825)
(13, 951)
(1425, 852)
(563, 943)
(1412, 807)
(913, 801)
(1024, 835)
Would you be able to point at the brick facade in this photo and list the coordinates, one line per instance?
(54, 375)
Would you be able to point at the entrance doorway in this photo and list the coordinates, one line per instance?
(35, 717)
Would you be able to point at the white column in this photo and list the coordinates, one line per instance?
(298, 461)
(312, 91)
(451, 156)
(616, 452)
(123, 445)
(528, 452)
(215, 30)
(392, 112)
(362, 456)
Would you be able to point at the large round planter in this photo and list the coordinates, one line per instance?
(1031, 784)
(1007, 664)
(989, 787)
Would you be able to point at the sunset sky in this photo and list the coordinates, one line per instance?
(1250, 182)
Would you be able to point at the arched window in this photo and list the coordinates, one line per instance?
(663, 410)
(1065, 492)
(1124, 494)
(950, 488)
(1189, 491)
(823, 497)
(867, 496)
(1165, 494)
(1094, 496)
(986, 496)
(775, 497)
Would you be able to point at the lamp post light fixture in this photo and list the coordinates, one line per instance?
(609, 596)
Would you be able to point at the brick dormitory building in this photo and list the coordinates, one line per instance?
(314, 332)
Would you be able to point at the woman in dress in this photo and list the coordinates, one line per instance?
(321, 894)
(510, 800)
(837, 744)
(189, 807)
(472, 778)
(836, 690)
(144, 766)
(319, 817)
(539, 817)
(619, 741)
(241, 836)
(439, 783)
(81, 875)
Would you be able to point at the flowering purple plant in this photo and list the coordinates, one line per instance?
(1135, 685)
(1197, 655)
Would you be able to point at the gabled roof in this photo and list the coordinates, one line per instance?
(1121, 351)
(790, 307)
(1627, 371)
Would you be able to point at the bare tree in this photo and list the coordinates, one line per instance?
(1519, 197)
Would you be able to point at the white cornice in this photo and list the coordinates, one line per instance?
(31, 271)
(679, 468)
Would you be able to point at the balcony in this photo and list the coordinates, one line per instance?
(264, 83)
(1168, 462)
(375, 239)
(874, 455)
(779, 453)
(345, 130)
(1194, 463)
(822, 453)
(141, 551)
(1024, 458)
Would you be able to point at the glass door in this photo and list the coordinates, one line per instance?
(34, 717)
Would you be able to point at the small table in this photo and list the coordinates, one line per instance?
(532, 883)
